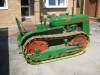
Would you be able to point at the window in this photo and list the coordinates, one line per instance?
(52, 2)
(25, 8)
(3, 4)
(55, 3)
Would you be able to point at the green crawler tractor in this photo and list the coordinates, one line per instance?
(62, 36)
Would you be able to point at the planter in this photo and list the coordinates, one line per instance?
(98, 19)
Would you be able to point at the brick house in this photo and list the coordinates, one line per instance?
(30, 10)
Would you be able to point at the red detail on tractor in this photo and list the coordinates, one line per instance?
(37, 44)
(79, 39)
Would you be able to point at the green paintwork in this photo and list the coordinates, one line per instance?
(64, 20)
(55, 22)
(19, 27)
(60, 21)
(55, 52)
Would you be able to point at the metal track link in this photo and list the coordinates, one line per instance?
(52, 36)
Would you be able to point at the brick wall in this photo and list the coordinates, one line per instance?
(35, 14)
(7, 16)
(58, 11)
(28, 23)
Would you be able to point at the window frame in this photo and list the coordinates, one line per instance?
(46, 4)
(27, 6)
(5, 5)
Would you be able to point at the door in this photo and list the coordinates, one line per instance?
(90, 7)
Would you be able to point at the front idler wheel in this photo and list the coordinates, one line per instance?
(79, 39)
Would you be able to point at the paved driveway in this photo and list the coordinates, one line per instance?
(86, 64)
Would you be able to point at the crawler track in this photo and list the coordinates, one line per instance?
(72, 37)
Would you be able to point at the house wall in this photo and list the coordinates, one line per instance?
(38, 8)
(58, 11)
(7, 16)
(35, 14)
